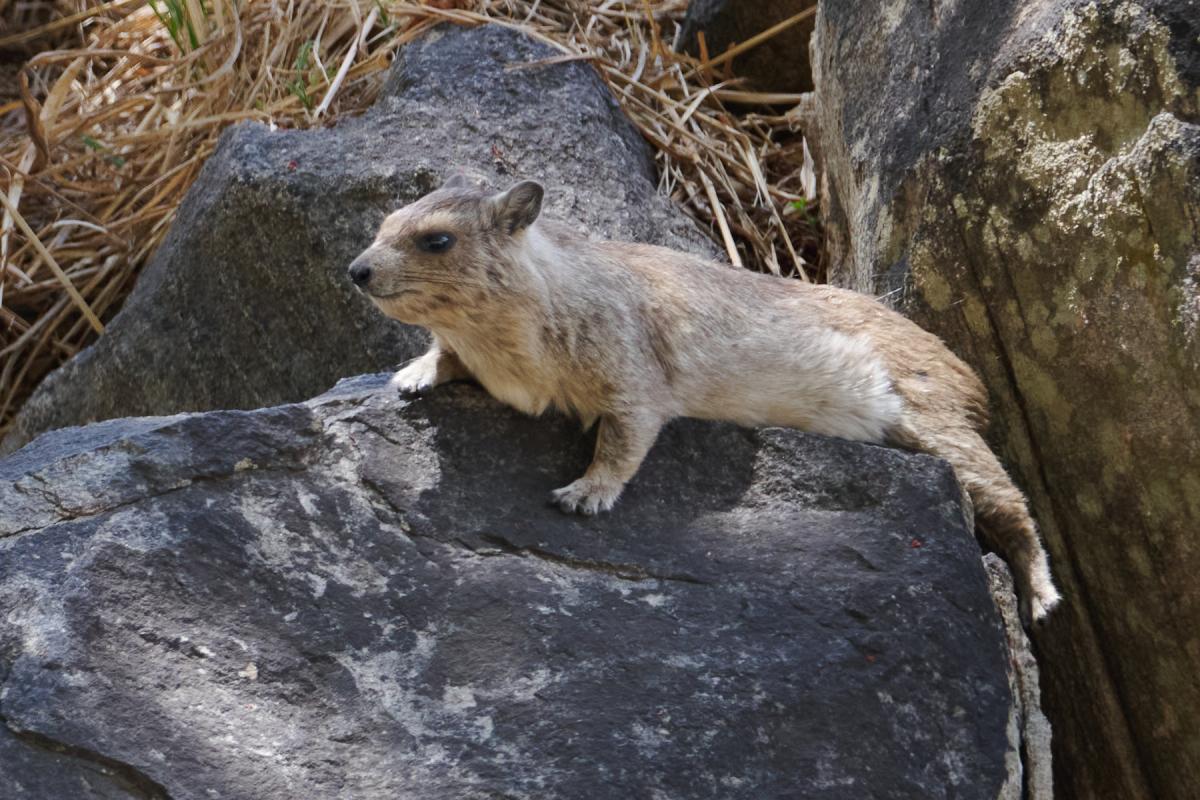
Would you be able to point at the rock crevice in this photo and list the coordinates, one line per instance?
(125, 776)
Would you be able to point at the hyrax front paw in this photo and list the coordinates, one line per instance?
(586, 496)
(417, 377)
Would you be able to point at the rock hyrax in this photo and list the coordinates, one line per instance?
(631, 335)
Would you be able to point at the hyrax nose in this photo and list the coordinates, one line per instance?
(360, 272)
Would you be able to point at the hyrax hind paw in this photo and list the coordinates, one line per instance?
(417, 377)
(586, 496)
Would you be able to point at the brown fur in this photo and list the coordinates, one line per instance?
(632, 335)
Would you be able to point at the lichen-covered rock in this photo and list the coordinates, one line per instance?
(247, 304)
(1023, 178)
(780, 64)
(366, 597)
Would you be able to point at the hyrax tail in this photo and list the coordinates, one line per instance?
(1002, 517)
(1001, 514)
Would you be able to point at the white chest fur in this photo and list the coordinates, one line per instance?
(509, 377)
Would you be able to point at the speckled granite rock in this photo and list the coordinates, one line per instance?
(1023, 178)
(366, 597)
(246, 303)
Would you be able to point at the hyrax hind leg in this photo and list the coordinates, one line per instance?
(1001, 513)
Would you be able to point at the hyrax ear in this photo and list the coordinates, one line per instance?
(518, 207)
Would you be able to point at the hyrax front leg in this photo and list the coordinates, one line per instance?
(622, 443)
(436, 367)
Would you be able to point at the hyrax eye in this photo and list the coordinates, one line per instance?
(435, 242)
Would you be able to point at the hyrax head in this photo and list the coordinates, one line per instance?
(448, 252)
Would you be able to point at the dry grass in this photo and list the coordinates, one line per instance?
(119, 104)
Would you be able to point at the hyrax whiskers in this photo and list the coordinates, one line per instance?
(632, 335)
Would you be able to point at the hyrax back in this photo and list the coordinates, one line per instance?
(632, 335)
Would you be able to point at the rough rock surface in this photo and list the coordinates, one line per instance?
(1030, 758)
(779, 64)
(1023, 178)
(246, 303)
(367, 597)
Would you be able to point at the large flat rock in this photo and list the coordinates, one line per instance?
(247, 304)
(366, 597)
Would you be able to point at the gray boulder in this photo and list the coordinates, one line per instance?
(246, 303)
(366, 597)
(1023, 178)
